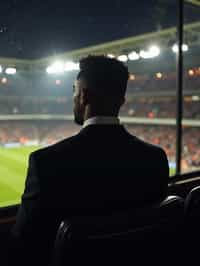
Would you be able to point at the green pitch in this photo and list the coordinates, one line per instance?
(13, 168)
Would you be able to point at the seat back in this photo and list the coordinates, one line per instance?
(192, 214)
(192, 224)
(192, 205)
(131, 235)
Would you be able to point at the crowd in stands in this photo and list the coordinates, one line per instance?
(166, 83)
(45, 95)
(149, 107)
(160, 108)
(165, 136)
(41, 94)
(46, 132)
(45, 85)
(17, 105)
(49, 132)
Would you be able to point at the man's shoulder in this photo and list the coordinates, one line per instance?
(56, 148)
(144, 145)
(72, 144)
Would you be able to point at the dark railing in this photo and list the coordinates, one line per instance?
(184, 177)
(179, 113)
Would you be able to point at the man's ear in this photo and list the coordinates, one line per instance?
(84, 96)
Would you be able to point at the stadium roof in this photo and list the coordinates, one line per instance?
(193, 2)
(164, 38)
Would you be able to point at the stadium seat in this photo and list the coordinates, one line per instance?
(192, 207)
(141, 235)
(192, 224)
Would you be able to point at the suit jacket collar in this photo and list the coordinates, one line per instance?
(107, 129)
(102, 120)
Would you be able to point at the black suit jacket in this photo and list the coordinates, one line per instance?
(102, 168)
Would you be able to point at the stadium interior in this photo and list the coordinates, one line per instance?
(36, 103)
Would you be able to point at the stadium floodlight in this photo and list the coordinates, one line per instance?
(110, 55)
(185, 48)
(11, 71)
(133, 56)
(1, 69)
(151, 53)
(56, 68)
(71, 66)
(122, 58)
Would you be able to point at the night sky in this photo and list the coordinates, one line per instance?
(34, 29)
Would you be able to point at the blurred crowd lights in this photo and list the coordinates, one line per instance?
(132, 77)
(193, 72)
(58, 82)
(195, 98)
(4, 80)
(159, 75)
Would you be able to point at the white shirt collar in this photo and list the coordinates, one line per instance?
(102, 120)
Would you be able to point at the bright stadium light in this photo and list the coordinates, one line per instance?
(151, 53)
(154, 51)
(175, 48)
(122, 58)
(11, 71)
(71, 66)
(56, 68)
(133, 56)
(49, 70)
(185, 48)
(1, 69)
(110, 55)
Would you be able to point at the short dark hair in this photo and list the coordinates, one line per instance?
(103, 74)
